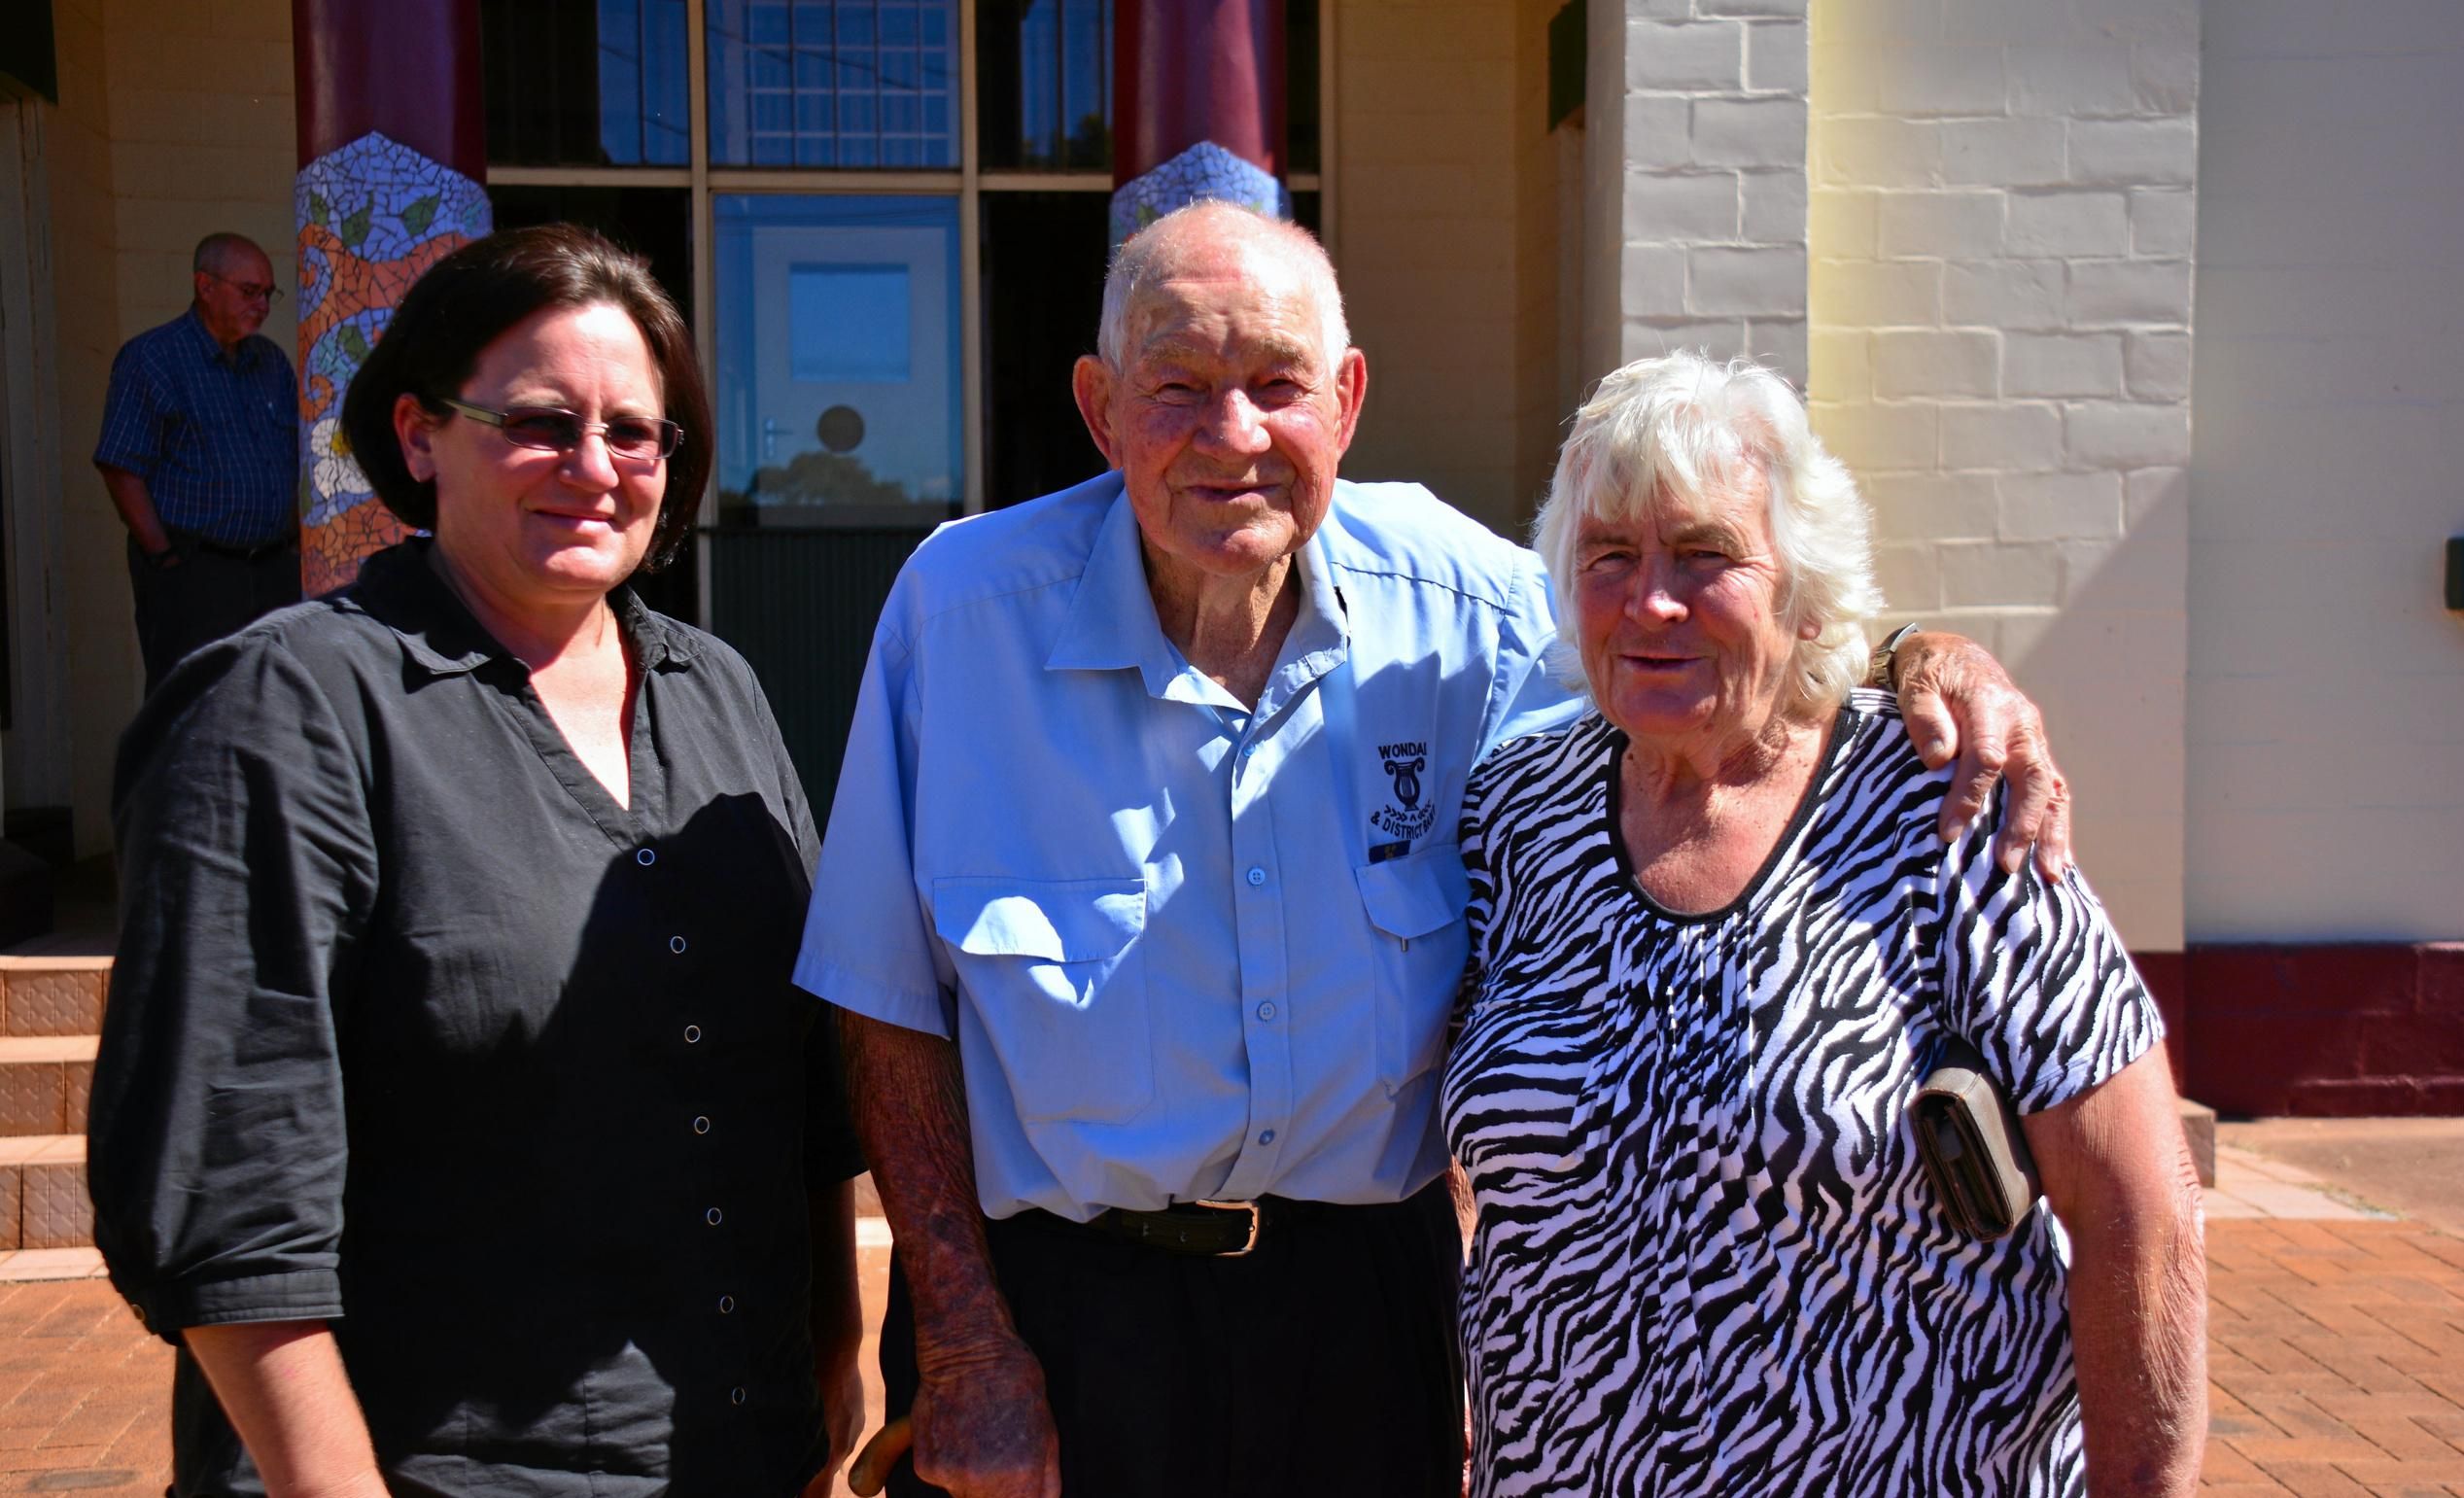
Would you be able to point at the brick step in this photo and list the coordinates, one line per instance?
(52, 995)
(44, 1083)
(43, 1202)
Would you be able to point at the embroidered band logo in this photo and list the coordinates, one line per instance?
(1403, 763)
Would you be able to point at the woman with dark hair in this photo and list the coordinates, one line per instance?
(455, 1116)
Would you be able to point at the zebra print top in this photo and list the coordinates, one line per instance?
(1708, 1261)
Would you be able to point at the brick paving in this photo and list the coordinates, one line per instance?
(2336, 1358)
(85, 1394)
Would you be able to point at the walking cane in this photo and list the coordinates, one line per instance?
(871, 1468)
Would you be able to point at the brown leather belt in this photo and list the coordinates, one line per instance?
(1214, 1230)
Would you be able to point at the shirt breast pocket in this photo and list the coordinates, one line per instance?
(1052, 970)
(1415, 908)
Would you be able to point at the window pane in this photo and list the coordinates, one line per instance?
(585, 81)
(806, 82)
(838, 358)
(1044, 256)
(1300, 91)
(1043, 78)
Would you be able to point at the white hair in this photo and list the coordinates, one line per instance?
(1148, 254)
(1684, 427)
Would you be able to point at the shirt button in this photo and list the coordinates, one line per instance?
(1257, 876)
(701, 1126)
(1269, 1138)
(736, 1395)
(675, 944)
(692, 1034)
(1248, 749)
(726, 1304)
(645, 856)
(1267, 1011)
(713, 1216)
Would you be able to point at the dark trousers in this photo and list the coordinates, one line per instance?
(212, 591)
(1325, 1362)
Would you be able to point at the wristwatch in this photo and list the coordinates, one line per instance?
(1886, 656)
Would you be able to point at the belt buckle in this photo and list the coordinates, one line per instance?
(1251, 1208)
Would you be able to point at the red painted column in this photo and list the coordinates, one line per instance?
(1197, 107)
(393, 161)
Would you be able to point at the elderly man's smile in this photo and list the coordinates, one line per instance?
(1233, 491)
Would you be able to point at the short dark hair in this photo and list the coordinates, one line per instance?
(470, 298)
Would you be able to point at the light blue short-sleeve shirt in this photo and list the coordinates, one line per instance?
(1186, 949)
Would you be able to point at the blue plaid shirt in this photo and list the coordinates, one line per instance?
(215, 436)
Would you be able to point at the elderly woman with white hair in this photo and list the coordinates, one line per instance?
(1716, 948)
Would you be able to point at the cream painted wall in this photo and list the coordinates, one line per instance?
(1538, 162)
(103, 673)
(175, 122)
(1438, 102)
(2002, 300)
(2326, 677)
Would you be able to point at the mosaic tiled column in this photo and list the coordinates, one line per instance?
(392, 156)
(1198, 108)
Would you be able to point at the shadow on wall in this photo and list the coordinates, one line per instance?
(2108, 667)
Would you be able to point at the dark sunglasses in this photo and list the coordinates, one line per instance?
(549, 430)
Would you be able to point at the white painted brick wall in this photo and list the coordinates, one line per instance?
(2326, 723)
(2000, 237)
(1711, 187)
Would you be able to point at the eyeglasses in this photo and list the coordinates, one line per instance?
(550, 429)
(249, 291)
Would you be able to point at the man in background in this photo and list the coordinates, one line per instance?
(200, 451)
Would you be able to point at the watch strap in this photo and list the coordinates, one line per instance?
(1878, 666)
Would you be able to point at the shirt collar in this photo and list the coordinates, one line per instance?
(1112, 624)
(399, 589)
(1324, 628)
(210, 350)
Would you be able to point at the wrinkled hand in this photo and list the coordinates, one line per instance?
(980, 1425)
(1959, 702)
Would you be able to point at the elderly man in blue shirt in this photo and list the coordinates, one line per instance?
(1141, 896)
(200, 453)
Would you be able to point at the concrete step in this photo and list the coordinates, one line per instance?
(52, 994)
(43, 1202)
(2199, 1131)
(44, 1083)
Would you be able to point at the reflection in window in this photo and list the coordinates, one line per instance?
(1044, 72)
(847, 324)
(1043, 82)
(838, 358)
(585, 83)
(833, 82)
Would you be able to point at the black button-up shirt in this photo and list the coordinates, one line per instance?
(414, 1029)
